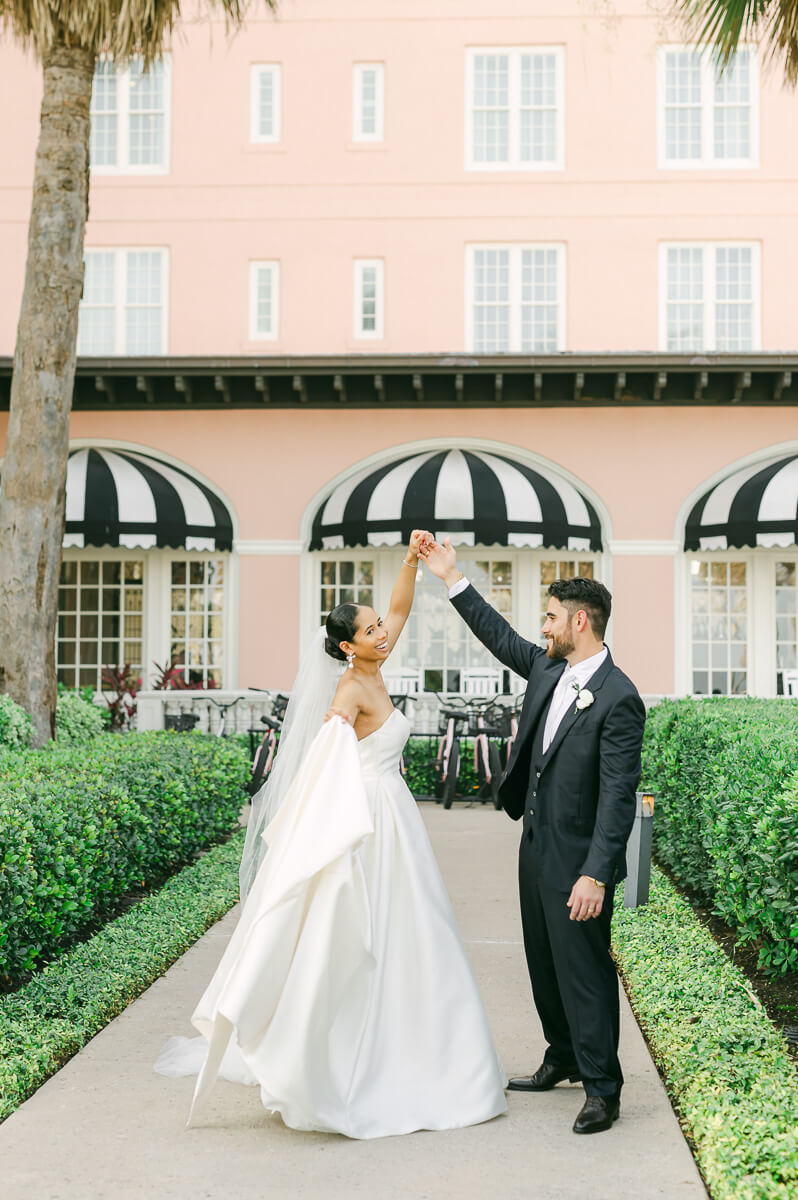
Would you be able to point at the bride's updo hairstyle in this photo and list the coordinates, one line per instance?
(341, 627)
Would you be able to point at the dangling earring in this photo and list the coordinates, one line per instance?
(350, 658)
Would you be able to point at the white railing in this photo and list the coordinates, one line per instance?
(153, 708)
(245, 711)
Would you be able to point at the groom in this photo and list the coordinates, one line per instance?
(572, 777)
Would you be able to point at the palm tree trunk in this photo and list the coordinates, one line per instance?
(33, 488)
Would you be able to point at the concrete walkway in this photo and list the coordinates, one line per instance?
(107, 1128)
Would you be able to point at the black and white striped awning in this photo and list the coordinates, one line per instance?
(126, 498)
(474, 497)
(755, 506)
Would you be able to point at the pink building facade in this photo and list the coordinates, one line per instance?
(525, 275)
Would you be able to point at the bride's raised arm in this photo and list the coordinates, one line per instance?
(405, 586)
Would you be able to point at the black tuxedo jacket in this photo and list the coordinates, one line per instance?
(583, 806)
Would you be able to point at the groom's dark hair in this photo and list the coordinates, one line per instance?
(588, 594)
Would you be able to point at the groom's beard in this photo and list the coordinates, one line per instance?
(560, 647)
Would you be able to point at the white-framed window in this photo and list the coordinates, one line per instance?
(569, 566)
(709, 297)
(100, 618)
(196, 611)
(264, 301)
(369, 298)
(368, 102)
(719, 603)
(265, 102)
(435, 642)
(345, 581)
(707, 118)
(124, 307)
(131, 117)
(515, 108)
(785, 584)
(515, 299)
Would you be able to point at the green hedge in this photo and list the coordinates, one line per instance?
(65, 1005)
(726, 819)
(420, 778)
(16, 727)
(78, 719)
(726, 1069)
(82, 826)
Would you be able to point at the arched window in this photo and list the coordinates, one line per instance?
(517, 523)
(741, 546)
(145, 570)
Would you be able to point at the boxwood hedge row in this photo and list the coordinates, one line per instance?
(81, 826)
(49, 1019)
(726, 1068)
(726, 818)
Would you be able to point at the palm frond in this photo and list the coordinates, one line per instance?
(119, 28)
(723, 24)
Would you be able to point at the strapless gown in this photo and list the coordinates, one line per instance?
(345, 992)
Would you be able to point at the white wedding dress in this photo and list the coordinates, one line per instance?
(345, 992)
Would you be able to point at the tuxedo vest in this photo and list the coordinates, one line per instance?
(536, 760)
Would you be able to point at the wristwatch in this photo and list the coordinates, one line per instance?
(597, 882)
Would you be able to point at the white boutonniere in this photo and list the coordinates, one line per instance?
(584, 698)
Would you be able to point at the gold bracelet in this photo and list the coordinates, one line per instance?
(410, 564)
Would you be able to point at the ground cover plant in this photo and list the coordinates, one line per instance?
(81, 826)
(724, 1065)
(725, 773)
(49, 1019)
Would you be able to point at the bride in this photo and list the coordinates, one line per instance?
(345, 993)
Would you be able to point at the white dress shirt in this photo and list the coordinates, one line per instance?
(457, 588)
(565, 692)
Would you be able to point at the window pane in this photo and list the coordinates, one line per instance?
(265, 299)
(195, 640)
(104, 115)
(96, 322)
(147, 121)
(435, 640)
(267, 102)
(143, 300)
(490, 104)
(101, 613)
(733, 298)
(786, 583)
(368, 102)
(682, 105)
(732, 111)
(539, 301)
(719, 641)
(538, 124)
(684, 298)
(491, 316)
(368, 284)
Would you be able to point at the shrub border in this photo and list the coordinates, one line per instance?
(48, 1020)
(725, 1066)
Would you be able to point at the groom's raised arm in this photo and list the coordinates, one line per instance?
(482, 618)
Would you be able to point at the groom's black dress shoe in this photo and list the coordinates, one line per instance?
(544, 1078)
(598, 1113)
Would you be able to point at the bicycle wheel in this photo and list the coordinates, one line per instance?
(450, 782)
(259, 769)
(495, 774)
